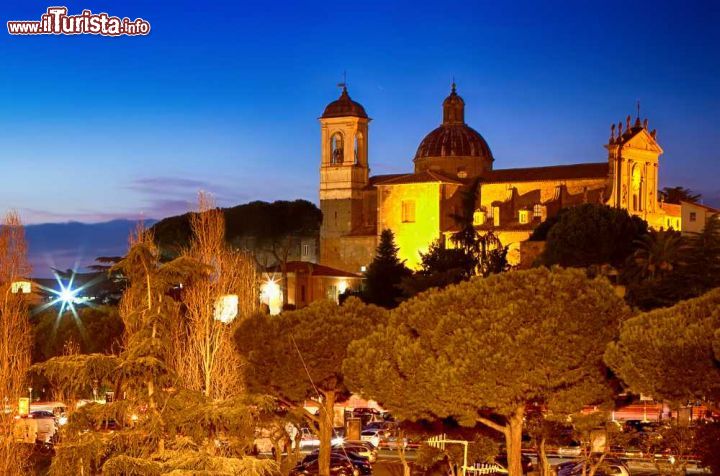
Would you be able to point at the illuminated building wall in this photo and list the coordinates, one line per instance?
(412, 212)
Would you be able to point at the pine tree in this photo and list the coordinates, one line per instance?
(439, 267)
(592, 234)
(385, 273)
(671, 353)
(484, 350)
(297, 356)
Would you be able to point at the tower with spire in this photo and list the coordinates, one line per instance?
(344, 175)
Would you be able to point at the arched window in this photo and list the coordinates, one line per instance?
(636, 188)
(337, 150)
(357, 148)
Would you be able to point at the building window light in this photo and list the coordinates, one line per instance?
(524, 216)
(408, 211)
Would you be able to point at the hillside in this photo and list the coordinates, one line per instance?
(255, 222)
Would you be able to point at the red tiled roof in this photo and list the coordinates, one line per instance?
(426, 176)
(671, 208)
(377, 179)
(556, 172)
(305, 267)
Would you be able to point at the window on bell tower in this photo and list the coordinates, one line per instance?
(357, 150)
(337, 150)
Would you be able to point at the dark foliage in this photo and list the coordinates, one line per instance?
(260, 221)
(679, 194)
(95, 330)
(440, 266)
(485, 249)
(667, 267)
(592, 234)
(383, 276)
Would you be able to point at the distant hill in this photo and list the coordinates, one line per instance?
(66, 245)
(63, 245)
(250, 225)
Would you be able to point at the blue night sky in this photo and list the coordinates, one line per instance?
(225, 96)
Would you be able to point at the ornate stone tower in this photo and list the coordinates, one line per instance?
(633, 155)
(343, 174)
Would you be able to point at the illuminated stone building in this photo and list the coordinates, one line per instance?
(418, 206)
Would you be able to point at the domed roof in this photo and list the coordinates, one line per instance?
(344, 107)
(454, 138)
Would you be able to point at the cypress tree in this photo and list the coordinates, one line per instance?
(385, 273)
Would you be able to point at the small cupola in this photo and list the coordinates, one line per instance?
(453, 108)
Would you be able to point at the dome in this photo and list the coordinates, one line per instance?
(454, 147)
(457, 140)
(344, 107)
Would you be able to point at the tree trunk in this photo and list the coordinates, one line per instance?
(327, 415)
(543, 462)
(513, 442)
(401, 452)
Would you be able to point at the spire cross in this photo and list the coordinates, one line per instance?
(344, 81)
(638, 109)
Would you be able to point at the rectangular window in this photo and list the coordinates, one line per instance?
(693, 216)
(305, 249)
(479, 217)
(524, 216)
(537, 211)
(408, 211)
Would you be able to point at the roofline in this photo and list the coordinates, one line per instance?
(544, 167)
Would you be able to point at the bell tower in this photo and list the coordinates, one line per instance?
(343, 173)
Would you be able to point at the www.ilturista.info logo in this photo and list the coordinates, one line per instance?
(57, 22)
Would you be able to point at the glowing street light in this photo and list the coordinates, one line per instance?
(66, 295)
(226, 308)
(271, 294)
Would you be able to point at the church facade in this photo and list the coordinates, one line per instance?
(419, 206)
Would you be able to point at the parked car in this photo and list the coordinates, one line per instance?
(565, 469)
(367, 415)
(373, 436)
(354, 457)
(59, 409)
(609, 467)
(362, 448)
(571, 449)
(340, 465)
(36, 426)
(310, 441)
(379, 425)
